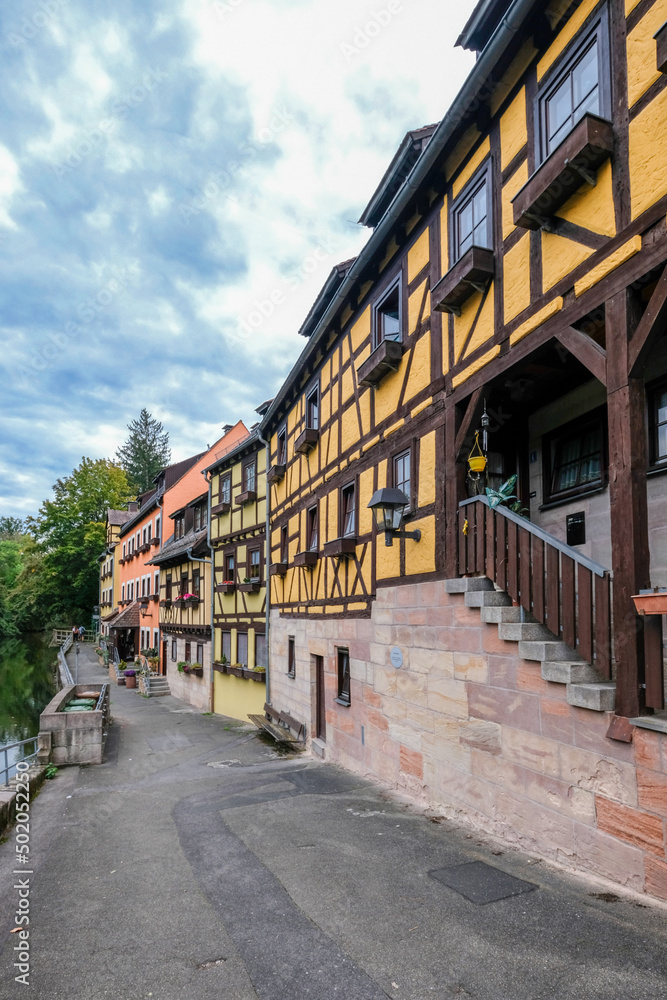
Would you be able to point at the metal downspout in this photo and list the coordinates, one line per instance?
(212, 580)
(267, 564)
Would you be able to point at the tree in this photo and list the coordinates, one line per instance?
(10, 527)
(71, 529)
(145, 452)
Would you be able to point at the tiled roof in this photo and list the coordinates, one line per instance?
(173, 549)
(129, 618)
(118, 517)
(107, 619)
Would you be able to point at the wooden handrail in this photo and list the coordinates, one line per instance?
(556, 584)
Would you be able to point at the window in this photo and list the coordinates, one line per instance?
(658, 412)
(173, 649)
(229, 568)
(122, 592)
(313, 409)
(123, 550)
(200, 654)
(281, 457)
(179, 526)
(148, 533)
(401, 473)
(188, 652)
(311, 529)
(196, 583)
(260, 650)
(254, 570)
(284, 544)
(291, 657)
(143, 536)
(387, 315)
(156, 638)
(185, 584)
(226, 489)
(145, 585)
(471, 215)
(227, 646)
(344, 676)
(577, 86)
(197, 518)
(156, 583)
(250, 476)
(138, 539)
(348, 511)
(157, 527)
(167, 587)
(242, 648)
(574, 457)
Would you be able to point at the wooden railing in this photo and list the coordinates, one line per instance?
(555, 583)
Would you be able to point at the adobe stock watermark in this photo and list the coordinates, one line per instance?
(92, 139)
(32, 24)
(370, 29)
(264, 308)
(88, 311)
(219, 181)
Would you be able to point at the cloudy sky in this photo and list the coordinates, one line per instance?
(165, 167)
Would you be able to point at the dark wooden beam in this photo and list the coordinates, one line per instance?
(451, 493)
(627, 503)
(586, 350)
(651, 324)
(468, 418)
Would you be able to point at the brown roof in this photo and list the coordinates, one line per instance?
(118, 517)
(110, 617)
(128, 618)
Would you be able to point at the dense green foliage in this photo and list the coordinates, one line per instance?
(26, 685)
(145, 452)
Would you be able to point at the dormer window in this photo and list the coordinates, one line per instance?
(472, 214)
(282, 447)
(387, 317)
(313, 409)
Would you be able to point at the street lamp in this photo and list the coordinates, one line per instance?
(143, 608)
(388, 506)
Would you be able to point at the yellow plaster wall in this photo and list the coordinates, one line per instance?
(512, 188)
(630, 5)
(559, 257)
(648, 176)
(236, 697)
(415, 302)
(365, 408)
(516, 277)
(516, 70)
(347, 386)
(463, 323)
(392, 247)
(461, 150)
(387, 394)
(420, 556)
(476, 366)
(642, 66)
(485, 327)
(470, 167)
(614, 260)
(565, 35)
(332, 516)
(427, 469)
(418, 255)
(365, 493)
(593, 207)
(541, 316)
(513, 129)
(388, 558)
(361, 329)
(444, 238)
(420, 370)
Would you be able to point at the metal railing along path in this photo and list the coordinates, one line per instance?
(4, 771)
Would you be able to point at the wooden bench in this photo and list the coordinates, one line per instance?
(280, 725)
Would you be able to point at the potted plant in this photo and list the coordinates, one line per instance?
(197, 669)
(236, 669)
(249, 586)
(130, 678)
(227, 587)
(181, 666)
(190, 598)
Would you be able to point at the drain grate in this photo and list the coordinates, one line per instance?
(481, 883)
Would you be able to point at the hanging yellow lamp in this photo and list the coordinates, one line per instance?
(476, 458)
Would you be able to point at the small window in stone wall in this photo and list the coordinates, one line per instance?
(173, 649)
(188, 652)
(344, 676)
(291, 657)
(200, 653)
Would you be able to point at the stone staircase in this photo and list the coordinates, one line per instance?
(559, 663)
(159, 686)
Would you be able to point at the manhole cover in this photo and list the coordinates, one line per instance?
(481, 883)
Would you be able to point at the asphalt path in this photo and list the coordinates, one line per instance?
(197, 862)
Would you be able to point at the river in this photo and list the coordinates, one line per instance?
(27, 684)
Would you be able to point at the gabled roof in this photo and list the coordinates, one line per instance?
(481, 24)
(172, 550)
(411, 148)
(118, 517)
(248, 444)
(135, 518)
(329, 289)
(129, 618)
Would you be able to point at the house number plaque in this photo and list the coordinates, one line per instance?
(396, 657)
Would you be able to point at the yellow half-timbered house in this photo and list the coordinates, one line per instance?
(109, 575)
(513, 289)
(238, 539)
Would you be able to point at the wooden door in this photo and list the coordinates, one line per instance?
(320, 706)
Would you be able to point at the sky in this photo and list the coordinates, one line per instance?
(177, 179)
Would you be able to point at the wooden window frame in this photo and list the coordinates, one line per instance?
(156, 582)
(174, 650)
(200, 657)
(195, 586)
(656, 461)
(184, 584)
(239, 635)
(555, 439)
(409, 451)
(284, 543)
(482, 176)
(197, 518)
(291, 656)
(377, 337)
(249, 487)
(281, 446)
(188, 651)
(258, 636)
(251, 552)
(225, 494)
(226, 572)
(312, 527)
(343, 676)
(223, 634)
(168, 587)
(344, 491)
(314, 390)
(596, 26)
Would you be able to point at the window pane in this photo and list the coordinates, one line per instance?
(242, 648)
(662, 441)
(559, 107)
(585, 76)
(260, 651)
(466, 223)
(227, 645)
(391, 324)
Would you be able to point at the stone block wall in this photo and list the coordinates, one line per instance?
(76, 738)
(470, 729)
(195, 691)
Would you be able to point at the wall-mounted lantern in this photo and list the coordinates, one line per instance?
(143, 608)
(388, 506)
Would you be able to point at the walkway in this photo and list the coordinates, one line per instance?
(197, 863)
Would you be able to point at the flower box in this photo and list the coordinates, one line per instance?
(192, 599)
(235, 668)
(653, 602)
(276, 474)
(165, 604)
(226, 587)
(341, 547)
(385, 358)
(197, 671)
(221, 508)
(246, 497)
(470, 274)
(155, 540)
(307, 440)
(220, 667)
(255, 675)
(250, 588)
(278, 569)
(306, 559)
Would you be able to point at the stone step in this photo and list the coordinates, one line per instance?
(544, 649)
(600, 697)
(487, 599)
(520, 631)
(501, 614)
(467, 584)
(569, 672)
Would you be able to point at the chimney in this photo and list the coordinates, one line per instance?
(132, 506)
(227, 428)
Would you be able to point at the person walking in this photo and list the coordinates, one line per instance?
(75, 633)
(82, 632)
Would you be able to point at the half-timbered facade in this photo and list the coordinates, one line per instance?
(185, 604)
(514, 284)
(109, 569)
(238, 539)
